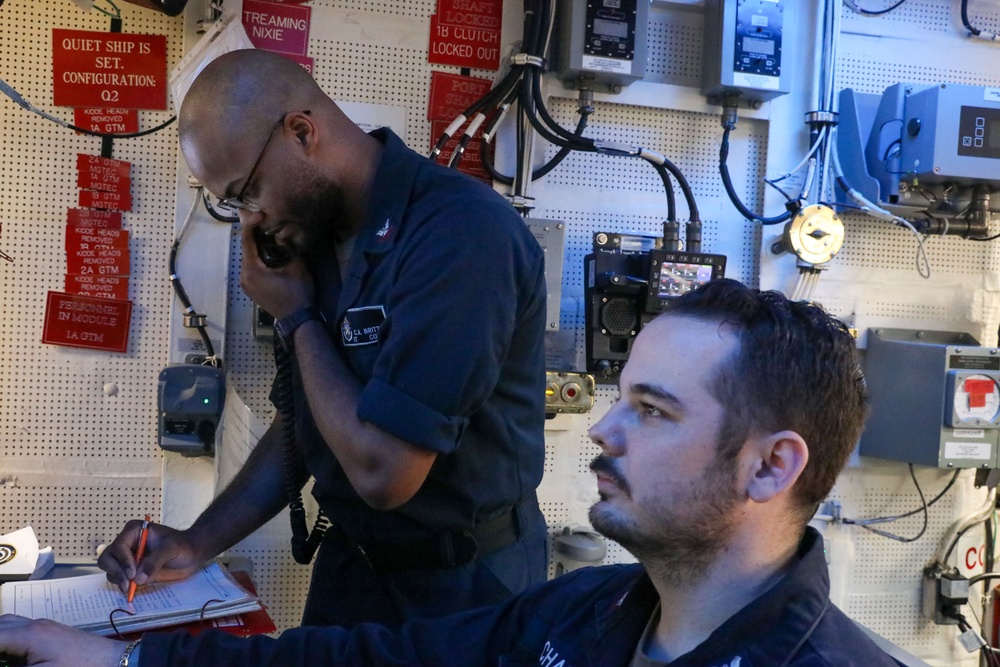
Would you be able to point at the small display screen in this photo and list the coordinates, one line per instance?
(607, 28)
(979, 132)
(757, 45)
(676, 278)
(993, 136)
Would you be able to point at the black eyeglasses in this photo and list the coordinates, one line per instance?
(239, 201)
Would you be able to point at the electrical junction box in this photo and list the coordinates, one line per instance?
(913, 138)
(744, 49)
(190, 399)
(935, 399)
(951, 133)
(602, 42)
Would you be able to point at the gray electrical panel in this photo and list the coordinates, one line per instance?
(935, 399)
(602, 42)
(551, 236)
(951, 133)
(914, 139)
(744, 49)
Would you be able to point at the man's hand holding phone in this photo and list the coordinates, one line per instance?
(273, 274)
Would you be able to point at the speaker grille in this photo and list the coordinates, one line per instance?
(619, 316)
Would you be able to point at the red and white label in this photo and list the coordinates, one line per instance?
(83, 321)
(114, 201)
(85, 238)
(466, 33)
(98, 261)
(107, 121)
(107, 69)
(471, 163)
(451, 94)
(88, 217)
(103, 287)
(278, 27)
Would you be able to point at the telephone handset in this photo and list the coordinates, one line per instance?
(273, 254)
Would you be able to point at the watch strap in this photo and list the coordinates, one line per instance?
(284, 328)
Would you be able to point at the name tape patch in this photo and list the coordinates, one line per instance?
(361, 326)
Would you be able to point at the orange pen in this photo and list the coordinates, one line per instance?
(143, 535)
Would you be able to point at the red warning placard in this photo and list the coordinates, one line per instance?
(83, 321)
(107, 121)
(102, 165)
(85, 238)
(88, 217)
(104, 287)
(114, 201)
(101, 173)
(99, 261)
(451, 94)
(102, 69)
(463, 45)
(471, 163)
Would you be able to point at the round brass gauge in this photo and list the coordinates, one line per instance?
(815, 235)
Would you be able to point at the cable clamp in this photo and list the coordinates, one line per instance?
(195, 320)
(522, 202)
(613, 148)
(526, 59)
(829, 118)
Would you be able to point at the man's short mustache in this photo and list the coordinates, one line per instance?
(606, 466)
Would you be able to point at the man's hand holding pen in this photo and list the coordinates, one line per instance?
(139, 553)
(167, 556)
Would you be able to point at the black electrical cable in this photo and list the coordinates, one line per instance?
(545, 168)
(885, 519)
(693, 213)
(175, 281)
(954, 542)
(965, 19)
(727, 183)
(877, 12)
(535, 85)
(924, 508)
(989, 556)
(895, 142)
(131, 135)
(668, 187)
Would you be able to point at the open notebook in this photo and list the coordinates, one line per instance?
(87, 602)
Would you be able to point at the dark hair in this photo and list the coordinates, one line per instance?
(796, 368)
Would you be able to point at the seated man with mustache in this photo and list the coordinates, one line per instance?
(738, 410)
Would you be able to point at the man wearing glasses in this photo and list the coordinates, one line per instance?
(409, 303)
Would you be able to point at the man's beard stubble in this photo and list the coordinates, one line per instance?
(316, 207)
(684, 535)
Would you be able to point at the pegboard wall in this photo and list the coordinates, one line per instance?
(77, 428)
(78, 452)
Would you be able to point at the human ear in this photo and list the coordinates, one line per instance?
(302, 125)
(778, 460)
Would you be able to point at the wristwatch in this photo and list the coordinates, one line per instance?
(284, 328)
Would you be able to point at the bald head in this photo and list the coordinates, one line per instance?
(244, 93)
(247, 102)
